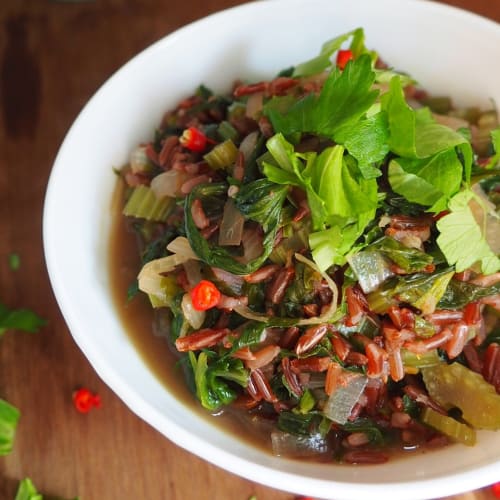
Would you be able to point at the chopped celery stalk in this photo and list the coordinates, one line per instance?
(450, 427)
(456, 386)
(223, 155)
(167, 290)
(144, 204)
(429, 358)
(227, 131)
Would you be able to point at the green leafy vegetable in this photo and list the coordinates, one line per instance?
(495, 159)
(462, 239)
(296, 423)
(9, 416)
(211, 389)
(367, 141)
(430, 181)
(345, 98)
(323, 61)
(19, 319)
(421, 290)
(260, 201)
(341, 199)
(368, 427)
(411, 260)
(434, 159)
(459, 293)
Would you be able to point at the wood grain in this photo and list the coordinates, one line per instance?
(53, 56)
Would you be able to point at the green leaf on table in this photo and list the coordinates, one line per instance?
(27, 491)
(19, 319)
(9, 416)
(462, 239)
(14, 261)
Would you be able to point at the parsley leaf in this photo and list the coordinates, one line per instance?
(462, 239)
(345, 98)
(19, 319)
(323, 60)
(9, 416)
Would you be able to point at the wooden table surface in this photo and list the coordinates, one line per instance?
(53, 57)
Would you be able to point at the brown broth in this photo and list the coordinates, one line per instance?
(136, 316)
(137, 319)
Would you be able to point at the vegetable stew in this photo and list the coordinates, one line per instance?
(320, 254)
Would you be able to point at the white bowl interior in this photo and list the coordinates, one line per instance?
(436, 44)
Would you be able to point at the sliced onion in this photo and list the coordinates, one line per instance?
(139, 161)
(254, 105)
(194, 318)
(150, 276)
(181, 246)
(193, 271)
(231, 226)
(233, 281)
(248, 144)
(169, 183)
(290, 445)
(340, 404)
(251, 239)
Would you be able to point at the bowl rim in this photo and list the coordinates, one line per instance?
(477, 477)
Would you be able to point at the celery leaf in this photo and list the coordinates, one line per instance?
(344, 99)
(462, 239)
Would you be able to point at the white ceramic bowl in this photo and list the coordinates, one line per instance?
(448, 50)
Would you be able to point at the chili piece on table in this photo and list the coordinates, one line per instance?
(84, 400)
